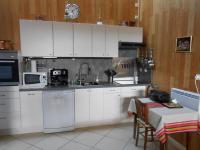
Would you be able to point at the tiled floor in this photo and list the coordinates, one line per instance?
(118, 137)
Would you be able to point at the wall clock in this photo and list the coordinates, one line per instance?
(71, 11)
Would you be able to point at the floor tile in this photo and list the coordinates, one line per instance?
(101, 131)
(32, 138)
(110, 144)
(120, 134)
(52, 143)
(88, 138)
(33, 148)
(74, 146)
(15, 145)
(131, 146)
(68, 135)
(4, 140)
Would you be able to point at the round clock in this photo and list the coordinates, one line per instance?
(71, 11)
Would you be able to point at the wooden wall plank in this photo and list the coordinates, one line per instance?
(163, 21)
(112, 12)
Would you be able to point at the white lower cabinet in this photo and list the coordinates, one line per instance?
(126, 94)
(111, 103)
(31, 110)
(82, 105)
(9, 108)
(96, 104)
(9, 120)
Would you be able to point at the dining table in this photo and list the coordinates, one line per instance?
(167, 120)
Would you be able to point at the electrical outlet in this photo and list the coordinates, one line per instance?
(197, 77)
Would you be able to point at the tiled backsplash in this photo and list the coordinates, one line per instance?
(98, 66)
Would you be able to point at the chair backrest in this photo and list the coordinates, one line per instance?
(141, 110)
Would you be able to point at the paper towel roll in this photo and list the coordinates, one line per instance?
(33, 66)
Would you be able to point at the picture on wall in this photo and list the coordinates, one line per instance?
(184, 44)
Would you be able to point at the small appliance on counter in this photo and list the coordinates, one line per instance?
(34, 79)
(58, 77)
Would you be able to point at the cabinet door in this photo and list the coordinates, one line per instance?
(98, 41)
(63, 39)
(31, 110)
(96, 104)
(36, 38)
(111, 41)
(111, 103)
(130, 34)
(82, 105)
(82, 40)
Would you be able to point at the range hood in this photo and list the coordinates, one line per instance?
(130, 45)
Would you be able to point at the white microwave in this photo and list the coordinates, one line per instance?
(34, 79)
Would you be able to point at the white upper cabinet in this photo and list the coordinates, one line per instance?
(63, 39)
(98, 40)
(111, 41)
(36, 38)
(82, 40)
(130, 34)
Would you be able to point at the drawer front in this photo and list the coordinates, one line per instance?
(9, 120)
(6, 95)
(9, 105)
(9, 89)
(132, 88)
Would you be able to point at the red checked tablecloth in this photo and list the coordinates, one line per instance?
(169, 121)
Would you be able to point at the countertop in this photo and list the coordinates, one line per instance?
(72, 87)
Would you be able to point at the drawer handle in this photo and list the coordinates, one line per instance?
(31, 94)
(1, 118)
(133, 89)
(2, 95)
(2, 104)
(112, 90)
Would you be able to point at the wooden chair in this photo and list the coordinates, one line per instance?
(142, 123)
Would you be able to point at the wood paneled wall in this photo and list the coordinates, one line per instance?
(110, 12)
(163, 21)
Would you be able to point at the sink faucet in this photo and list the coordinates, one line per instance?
(81, 69)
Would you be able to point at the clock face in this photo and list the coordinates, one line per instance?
(71, 11)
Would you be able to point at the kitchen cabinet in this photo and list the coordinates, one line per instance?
(82, 105)
(96, 104)
(82, 40)
(36, 38)
(98, 41)
(130, 34)
(31, 110)
(111, 41)
(9, 108)
(125, 96)
(63, 39)
(88, 105)
(111, 103)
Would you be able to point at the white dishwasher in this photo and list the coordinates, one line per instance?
(58, 110)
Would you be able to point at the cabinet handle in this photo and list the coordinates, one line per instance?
(112, 90)
(133, 89)
(2, 95)
(2, 104)
(31, 94)
(1, 118)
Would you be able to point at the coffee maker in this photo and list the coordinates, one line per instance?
(59, 77)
